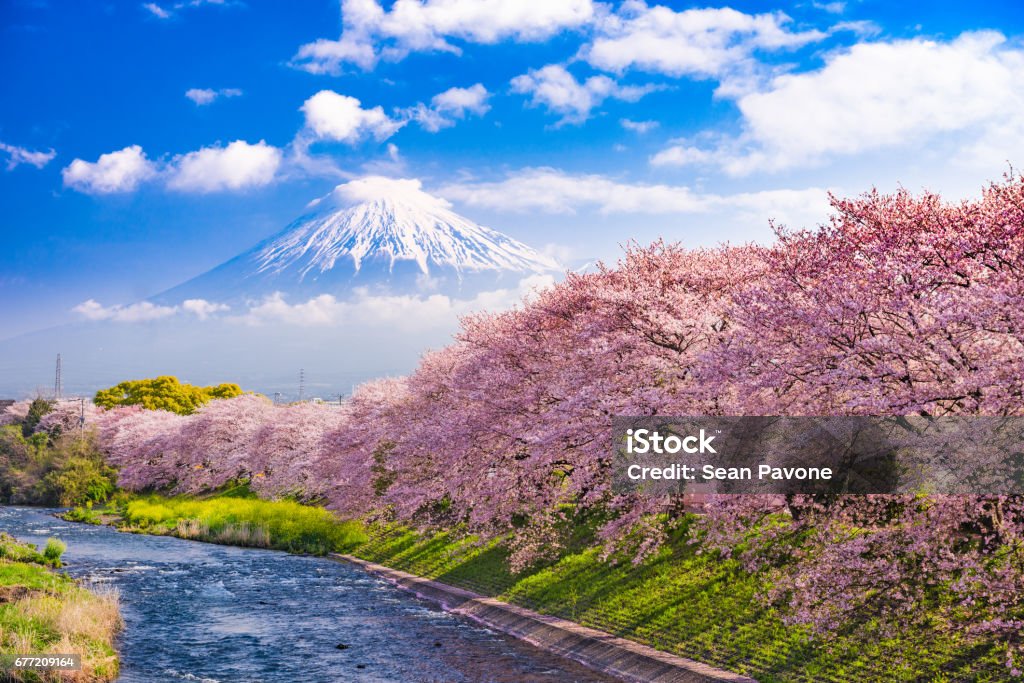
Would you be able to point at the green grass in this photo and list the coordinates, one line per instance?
(233, 520)
(14, 551)
(42, 612)
(681, 601)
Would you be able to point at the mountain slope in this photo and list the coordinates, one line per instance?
(377, 233)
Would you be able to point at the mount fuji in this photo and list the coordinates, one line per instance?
(385, 236)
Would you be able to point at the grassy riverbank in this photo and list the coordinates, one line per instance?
(42, 612)
(241, 520)
(689, 603)
(682, 600)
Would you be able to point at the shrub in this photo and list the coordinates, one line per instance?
(54, 550)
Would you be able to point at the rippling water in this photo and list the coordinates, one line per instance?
(200, 612)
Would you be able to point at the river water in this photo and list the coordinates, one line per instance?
(200, 612)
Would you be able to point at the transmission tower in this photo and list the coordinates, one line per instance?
(302, 383)
(58, 384)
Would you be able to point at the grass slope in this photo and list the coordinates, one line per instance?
(685, 602)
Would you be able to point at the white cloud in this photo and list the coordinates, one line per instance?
(638, 126)
(120, 171)
(156, 10)
(703, 43)
(326, 56)
(166, 12)
(238, 166)
(558, 90)
(862, 28)
(682, 155)
(403, 312)
(458, 101)
(369, 32)
(203, 309)
(370, 188)
(204, 96)
(831, 7)
(235, 167)
(137, 312)
(965, 95)
(552, 191)
(144, 311)
(339, 117)
(560, 253)
(20, 155)
(452, 104)
(320, 310)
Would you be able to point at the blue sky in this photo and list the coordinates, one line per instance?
(143, 143)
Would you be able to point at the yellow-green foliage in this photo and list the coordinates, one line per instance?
(284, 525)
(46, 613)
(163, 393)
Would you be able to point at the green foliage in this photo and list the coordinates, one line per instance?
(81, 480)
(163, 393)
(36, 410)
(67, 471)
(283, 524)
(54, 550)
(83, 514)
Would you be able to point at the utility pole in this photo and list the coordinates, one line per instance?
(58, 386)
(81, 416)
(302, 384)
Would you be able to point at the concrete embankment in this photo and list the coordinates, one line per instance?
(596, 649)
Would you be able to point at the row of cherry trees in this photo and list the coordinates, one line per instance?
(901, 304)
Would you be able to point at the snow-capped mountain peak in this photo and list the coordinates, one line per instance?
(375, 232)
(392, 220)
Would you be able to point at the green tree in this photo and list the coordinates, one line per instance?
(163, 393)
(79, 476)
(36, 410)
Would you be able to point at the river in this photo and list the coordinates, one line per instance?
(200, 612)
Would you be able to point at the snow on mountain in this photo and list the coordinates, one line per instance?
(375, 232)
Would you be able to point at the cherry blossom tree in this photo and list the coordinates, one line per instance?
(68, 416)
(286, 449)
